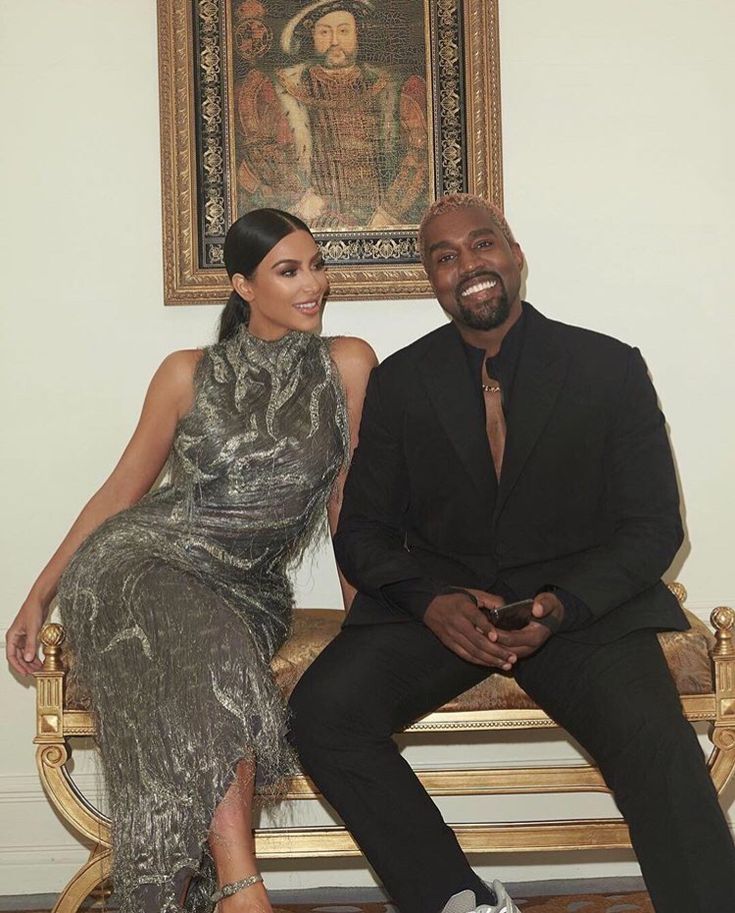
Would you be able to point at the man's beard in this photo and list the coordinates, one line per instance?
(345, 61)
(488, 315)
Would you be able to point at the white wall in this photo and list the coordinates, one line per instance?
(619, 139)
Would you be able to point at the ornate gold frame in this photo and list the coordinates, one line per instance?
(466, 149)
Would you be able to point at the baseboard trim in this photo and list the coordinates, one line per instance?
(52, 855)
(27, 787)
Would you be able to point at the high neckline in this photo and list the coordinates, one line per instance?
(244, 332)
(291, 339)
(280, 357)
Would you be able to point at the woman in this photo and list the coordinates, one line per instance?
(176, 601)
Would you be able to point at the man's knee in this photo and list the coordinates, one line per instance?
(348, 694)
(327, 714)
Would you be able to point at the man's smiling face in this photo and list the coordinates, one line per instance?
(474, 269)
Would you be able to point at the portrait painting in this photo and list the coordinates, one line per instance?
(352, 114)
(331, 110)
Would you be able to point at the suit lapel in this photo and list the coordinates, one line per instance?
(539, 377)
(445, 373)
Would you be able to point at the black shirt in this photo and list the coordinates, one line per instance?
(501, 367)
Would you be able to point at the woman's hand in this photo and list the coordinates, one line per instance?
(21, 641)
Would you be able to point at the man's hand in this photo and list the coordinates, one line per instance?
(459, 623)
(549, 611)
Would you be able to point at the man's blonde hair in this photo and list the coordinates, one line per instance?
(454, 201)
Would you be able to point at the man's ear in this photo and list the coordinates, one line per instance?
(518, 254)
(243, 288)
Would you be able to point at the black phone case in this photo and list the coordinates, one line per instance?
(511, 617)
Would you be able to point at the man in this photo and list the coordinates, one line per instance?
(338, 141)
(508, 456)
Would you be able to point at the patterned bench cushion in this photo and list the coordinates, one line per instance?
(687, 653)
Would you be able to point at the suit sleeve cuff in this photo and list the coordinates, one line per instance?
(576, 612)
(412, 596)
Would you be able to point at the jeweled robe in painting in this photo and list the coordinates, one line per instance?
(354, 137)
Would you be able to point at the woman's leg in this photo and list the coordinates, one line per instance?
(233, 847)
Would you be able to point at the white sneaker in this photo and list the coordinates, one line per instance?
(466, 902)
(504, 905)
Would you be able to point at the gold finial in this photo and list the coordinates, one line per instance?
(679, 590)
(52, 637)
(723, 621)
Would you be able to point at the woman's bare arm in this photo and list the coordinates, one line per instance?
(355, 360)
(169, 397)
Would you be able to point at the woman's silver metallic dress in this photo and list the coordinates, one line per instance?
(175, 607)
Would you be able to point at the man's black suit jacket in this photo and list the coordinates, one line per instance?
(587, 499)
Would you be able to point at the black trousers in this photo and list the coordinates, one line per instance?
(617, 700)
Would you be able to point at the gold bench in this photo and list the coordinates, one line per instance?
(702, 665)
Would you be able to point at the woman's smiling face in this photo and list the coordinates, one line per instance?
(287, 290)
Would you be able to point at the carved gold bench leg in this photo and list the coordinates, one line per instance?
(66, 798)
(53, 751)
(722, 762)
(91, 876)
(52, 757)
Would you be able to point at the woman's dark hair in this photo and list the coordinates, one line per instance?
(248, 240)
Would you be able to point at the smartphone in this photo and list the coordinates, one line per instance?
(512, 616)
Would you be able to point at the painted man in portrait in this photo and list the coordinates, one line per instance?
(339, 141)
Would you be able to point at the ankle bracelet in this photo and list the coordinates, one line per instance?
(227, 890)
